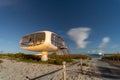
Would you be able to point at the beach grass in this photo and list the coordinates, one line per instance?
(53, 58)
(113, 57)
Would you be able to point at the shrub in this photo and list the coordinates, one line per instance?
(83, 64)
(1, 61)
(53, 58)
(58, 61)
(79, 56)
(114, 57)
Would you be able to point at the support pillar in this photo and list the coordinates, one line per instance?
(44, 56)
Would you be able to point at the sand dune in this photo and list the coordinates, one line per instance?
(12, 70)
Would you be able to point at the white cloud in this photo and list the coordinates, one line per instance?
(104, 42)
(79, 36)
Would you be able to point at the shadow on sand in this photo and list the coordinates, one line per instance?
(110, 73)
(38, 77)
(115, 64)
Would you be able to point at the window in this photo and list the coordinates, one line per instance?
(25, 41)
(33, 39)
(39, 38)
(57, 41)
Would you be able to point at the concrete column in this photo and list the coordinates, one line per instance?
(44, 56)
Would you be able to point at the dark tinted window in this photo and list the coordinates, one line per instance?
(33, 39)
(39, 38)
(57, 41)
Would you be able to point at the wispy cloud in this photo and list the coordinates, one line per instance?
(79, 36)
(104, 42)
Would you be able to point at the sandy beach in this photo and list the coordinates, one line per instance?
(13, 70)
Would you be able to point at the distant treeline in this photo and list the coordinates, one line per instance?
(53, 58)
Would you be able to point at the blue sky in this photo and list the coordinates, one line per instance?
(20, 17)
